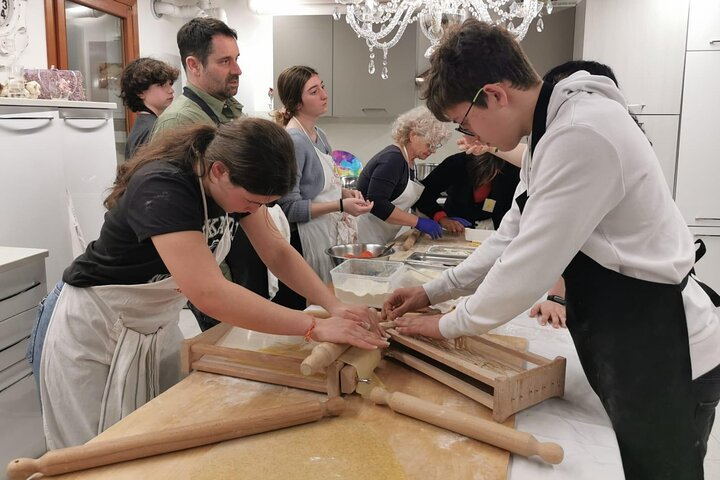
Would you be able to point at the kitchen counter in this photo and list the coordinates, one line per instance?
(577, 422)
(52, 104)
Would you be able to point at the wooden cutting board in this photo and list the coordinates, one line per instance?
(369, 441)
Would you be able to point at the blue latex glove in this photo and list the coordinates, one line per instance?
(462, 221)
(429, 226)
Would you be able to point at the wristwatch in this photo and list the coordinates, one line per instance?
(556, 299)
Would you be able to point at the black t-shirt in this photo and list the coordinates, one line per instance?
(162, 197)
(451, 176)
(384, 179)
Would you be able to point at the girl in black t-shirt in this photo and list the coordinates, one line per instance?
(104, 341)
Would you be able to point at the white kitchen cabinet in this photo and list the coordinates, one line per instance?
(54, 152)
(304, 40)
(359, 94)
(22, 286)
(32, 188)
(89, 164)
(331, 46)
(662, 131)
(697, 193)
(704, 25)
(643, 41)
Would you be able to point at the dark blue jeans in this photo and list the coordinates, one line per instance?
(37, 337)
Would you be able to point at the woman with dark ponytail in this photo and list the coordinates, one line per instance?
(107, 340)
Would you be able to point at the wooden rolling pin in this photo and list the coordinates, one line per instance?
(325, 353)
(321, 356)
(411, 239)
(486, 431)
(143, 445)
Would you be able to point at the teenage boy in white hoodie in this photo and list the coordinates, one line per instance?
(592, 206)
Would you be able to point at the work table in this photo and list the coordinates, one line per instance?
(391, 442)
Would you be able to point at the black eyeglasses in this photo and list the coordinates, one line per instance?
(460, 127)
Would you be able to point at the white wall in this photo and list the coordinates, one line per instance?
(35, 55)
(158, 35)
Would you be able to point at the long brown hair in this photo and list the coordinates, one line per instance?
(258, 154)
(290, 85)
(484, 168)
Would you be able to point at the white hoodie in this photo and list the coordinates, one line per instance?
(594, 185)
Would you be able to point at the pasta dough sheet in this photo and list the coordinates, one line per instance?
(339, 448)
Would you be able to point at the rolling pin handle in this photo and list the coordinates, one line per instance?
(22, 468)
(552, 453)
(333, 407)
(322, 356)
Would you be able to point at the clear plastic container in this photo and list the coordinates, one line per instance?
(366, 282)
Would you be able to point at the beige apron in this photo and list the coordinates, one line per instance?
(117, 346)
(373, 230)
(321, 233)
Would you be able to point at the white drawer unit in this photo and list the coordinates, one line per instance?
(22, 286)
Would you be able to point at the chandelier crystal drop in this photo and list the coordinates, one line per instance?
(382, 22)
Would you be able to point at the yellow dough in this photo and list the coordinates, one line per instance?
(339, 448)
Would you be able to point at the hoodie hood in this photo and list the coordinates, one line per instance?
(583, 82)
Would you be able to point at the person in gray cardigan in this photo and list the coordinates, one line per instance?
(317, 208)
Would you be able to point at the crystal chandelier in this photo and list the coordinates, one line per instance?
(382, 22)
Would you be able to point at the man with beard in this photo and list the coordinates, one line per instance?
(209, 53)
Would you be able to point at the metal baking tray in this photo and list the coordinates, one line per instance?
(448, 251)
(425, 258)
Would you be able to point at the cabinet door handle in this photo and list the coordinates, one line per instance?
(373, 110)
(708, 218)
(714, 42)
(632, 106)
(26, 118)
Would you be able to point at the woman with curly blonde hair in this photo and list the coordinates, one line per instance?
(388, 179)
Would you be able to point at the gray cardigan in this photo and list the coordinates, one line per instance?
(310, 179)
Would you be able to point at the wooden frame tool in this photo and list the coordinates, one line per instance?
(485, 369)
(203, 354)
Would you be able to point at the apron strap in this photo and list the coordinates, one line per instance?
(202, 104)
(700, 252)
(538, 130)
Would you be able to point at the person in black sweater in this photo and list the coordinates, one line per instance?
(388, 179)
(478, 188)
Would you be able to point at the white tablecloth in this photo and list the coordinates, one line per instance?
(577, 421)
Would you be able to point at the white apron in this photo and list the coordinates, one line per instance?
(373, 230)
(323, 232)
(118, 346)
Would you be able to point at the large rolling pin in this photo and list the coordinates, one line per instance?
(143, 445)
(486, 431)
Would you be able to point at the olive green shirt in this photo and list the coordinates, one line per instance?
(183, 111)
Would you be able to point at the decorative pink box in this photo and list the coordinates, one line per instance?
(48, 79)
